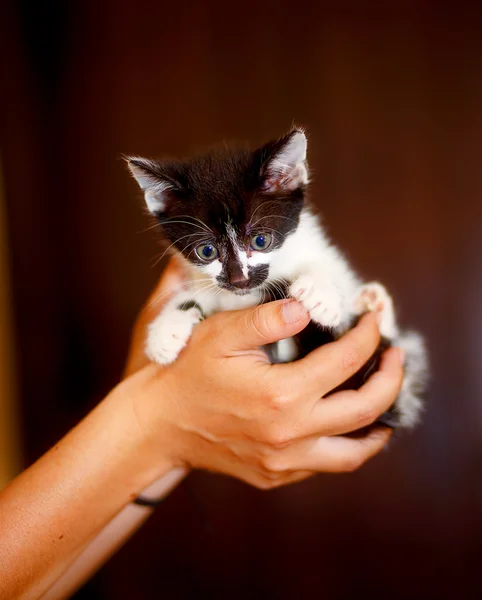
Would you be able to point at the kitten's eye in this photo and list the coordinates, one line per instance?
(207, 252)
(261, 242)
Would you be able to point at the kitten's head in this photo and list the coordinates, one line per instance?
(228, 212)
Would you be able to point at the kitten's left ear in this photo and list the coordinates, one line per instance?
(153, 181)
(284, 163)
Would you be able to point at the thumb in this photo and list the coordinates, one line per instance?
(264, 324)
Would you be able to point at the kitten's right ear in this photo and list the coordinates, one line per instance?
(153, 182)
(284, 165)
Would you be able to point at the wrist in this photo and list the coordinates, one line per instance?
(145, 395)
(155, 494)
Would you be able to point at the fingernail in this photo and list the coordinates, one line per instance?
(293, 312)
(401, 356)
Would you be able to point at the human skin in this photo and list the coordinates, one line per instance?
(220, 406)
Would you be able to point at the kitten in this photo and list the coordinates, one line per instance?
(244, 227)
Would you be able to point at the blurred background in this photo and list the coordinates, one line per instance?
(391, 96)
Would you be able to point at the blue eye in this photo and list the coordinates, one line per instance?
(207, 252)
(261, 242)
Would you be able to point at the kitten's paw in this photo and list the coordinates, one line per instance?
(169, 333)
(373, 297)
(321, 300)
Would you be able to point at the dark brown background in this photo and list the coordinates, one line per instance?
(392, 100)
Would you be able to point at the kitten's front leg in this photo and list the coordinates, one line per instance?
(321, 298)
(170, 331)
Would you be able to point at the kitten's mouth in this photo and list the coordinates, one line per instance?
(243, 292)
(240, 291)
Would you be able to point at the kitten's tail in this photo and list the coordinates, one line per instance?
(410, 404)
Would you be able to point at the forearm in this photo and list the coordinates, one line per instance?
(54, 509)
(111, 538)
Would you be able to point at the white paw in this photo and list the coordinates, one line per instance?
(373, 297)
(169, 333)
(321, 300)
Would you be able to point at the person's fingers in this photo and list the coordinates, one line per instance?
(350, 410)
(249, 329)
(334, 454)
(330, 365)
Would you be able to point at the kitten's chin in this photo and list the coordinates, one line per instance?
(240, 291)
(243, 292)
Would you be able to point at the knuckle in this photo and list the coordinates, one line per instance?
(388, 388)
(278, 436)
(273, 465)
(266, 484)
(277, 398)
(257, 321)
(352, 356)
(367, 415)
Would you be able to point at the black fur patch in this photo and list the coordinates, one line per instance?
(191, 304)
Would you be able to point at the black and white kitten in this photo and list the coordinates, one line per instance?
(241, 221)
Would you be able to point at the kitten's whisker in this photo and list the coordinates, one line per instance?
(167, 292)
(148, 228)
(198, 241)
(273, 217)
(280, 289)
(203, 225)
(266, 203)
(207, 288)
(186, 223)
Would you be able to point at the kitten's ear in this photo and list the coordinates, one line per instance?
(284, 165)
(153, 180)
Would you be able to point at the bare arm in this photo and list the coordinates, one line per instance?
(111, 538)
(98, 551)
(101, 545)
(55, 507)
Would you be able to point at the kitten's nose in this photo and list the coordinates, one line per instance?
(236, 277)
(239, 282)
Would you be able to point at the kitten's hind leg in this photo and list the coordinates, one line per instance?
(373, 297)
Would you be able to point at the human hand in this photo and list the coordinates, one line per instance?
(222, 406)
